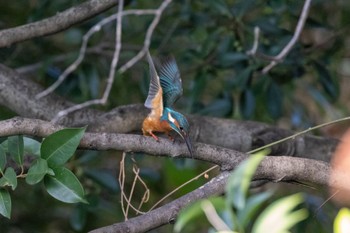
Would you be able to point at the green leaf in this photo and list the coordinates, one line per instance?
(342, 221)
(60, 146)
(251, 208)
(279, 216)
(31, 146)
(274, 100)
(247, 103)
(15, 148)
(37, 171)
(9, 178)
(329, 85)
(230, 58)
(64, 186)
(2, 159)
(195, 211)
(104, 178)
(5, 203)
(239, 181)
(78, 218)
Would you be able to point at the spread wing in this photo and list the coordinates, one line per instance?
(170, 81)
(154, 99)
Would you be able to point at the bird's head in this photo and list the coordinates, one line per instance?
(179, 124)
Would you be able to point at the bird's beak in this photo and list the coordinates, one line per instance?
(188, 141)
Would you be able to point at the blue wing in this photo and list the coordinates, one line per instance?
(170, 81)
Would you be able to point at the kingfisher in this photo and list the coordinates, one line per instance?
(164, 90)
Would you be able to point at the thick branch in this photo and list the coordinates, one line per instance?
(18, 94)
(275, 169)
(54, 24)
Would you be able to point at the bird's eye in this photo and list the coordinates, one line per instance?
(181, 128)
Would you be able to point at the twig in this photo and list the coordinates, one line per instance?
(291, 43)
(54, 24)
(126, 66)
(147, 41)
(253, 50)
(121, 179)
(97, 27)
(113, 66)
(183, 185)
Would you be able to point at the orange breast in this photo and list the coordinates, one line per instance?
(151, 124)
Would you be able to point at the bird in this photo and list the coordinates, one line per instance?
(164, 90)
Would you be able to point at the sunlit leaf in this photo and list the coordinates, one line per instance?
(59, 147)
(9, 178)
(195, 211)
(5, 203)
(280, 216)
(342, 221)
(239, 181)
(64, 186)
(15, 148)
(37, 171)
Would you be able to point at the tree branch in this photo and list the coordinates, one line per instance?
(277, 169)
(18, 94)
(278, 58)
(54, 24)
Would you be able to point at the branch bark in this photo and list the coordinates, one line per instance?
(54, 24)
(18, 94)
(277, 169)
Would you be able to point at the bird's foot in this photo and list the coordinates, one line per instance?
(154, 136)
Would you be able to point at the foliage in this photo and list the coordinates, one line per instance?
(209, 40)
(55, 150)
(237, 209)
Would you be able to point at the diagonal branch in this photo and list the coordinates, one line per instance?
(278, 58)
(54, 24)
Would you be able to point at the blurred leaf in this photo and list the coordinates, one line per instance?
(221, 7)
(37, 171)
(15, 148)
(60, 146)
(31, 146)
(328, 84)
(274, 100)
(251, 208)
(64, 186)
(242, 7)
(241, 80)
(279, 216)
(342, 221)
(2, 159)
(5, 203)
(247, 103)
(103, 178)
(239, 181)
(230, 58)
(73, 36)
(219, 108)
(194, 211)
(9, 178)
(78, 218)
